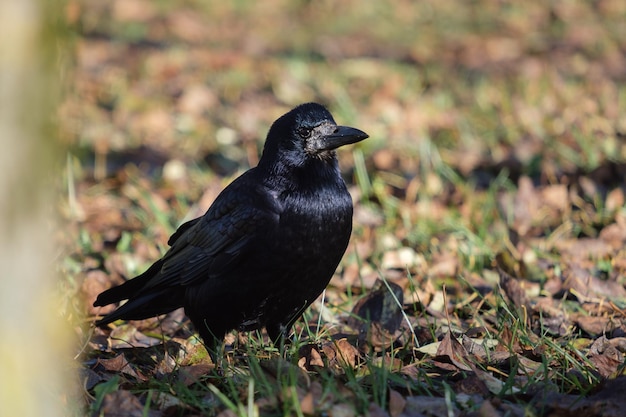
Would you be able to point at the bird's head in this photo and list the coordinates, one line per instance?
(307, 132)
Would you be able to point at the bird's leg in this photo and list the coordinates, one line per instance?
(213, 344)
(216, 352)
(279, 331)
(278, 334)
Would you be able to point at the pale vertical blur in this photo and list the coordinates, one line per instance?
(33, 340)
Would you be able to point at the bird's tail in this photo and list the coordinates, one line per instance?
(128, 289)
(140, 304)
(144, 306)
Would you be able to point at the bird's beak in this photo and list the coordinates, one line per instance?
(343, 135)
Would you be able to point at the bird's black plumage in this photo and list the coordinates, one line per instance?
(268, 245)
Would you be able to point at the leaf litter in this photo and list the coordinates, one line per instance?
(486, 273)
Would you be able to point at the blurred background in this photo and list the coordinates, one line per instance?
(500, 83)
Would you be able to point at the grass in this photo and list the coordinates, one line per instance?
(478, 112)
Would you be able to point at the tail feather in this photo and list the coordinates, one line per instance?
(142, 303)
(128, 289)
(145, 306)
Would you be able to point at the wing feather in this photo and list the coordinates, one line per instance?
(205, 248)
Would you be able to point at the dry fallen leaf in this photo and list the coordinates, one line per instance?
(605, 357)
(377, 316)
(596, 326)
(310, 357)
(95, 282)
(127, 336)
(123, 404)
(488, 410)
(120, 364)
(340, 354)
(584, 248)
(451, 355)
(614, 234)
(396, 403)
(585, 285)
(191, 374)
(514, 290)
(614, 199)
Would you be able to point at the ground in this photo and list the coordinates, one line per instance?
(487, 268)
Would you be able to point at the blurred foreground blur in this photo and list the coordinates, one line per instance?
(33, 339)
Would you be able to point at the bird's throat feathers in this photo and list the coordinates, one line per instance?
(314, 172)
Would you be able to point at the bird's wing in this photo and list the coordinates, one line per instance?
(181, 230)
(209, 245)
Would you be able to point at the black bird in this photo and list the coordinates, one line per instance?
(268, 245)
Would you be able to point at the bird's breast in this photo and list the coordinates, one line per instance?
(317, 222)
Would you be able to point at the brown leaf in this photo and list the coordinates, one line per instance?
(552, 317)
(528, 366)
(526, 206)
(120, 364)
(584, 285)
(95, 282)
(413, 371)
(310, 357)
(116, 265)
(472, 347)
(614, 234)
(558, 325)
(396, 403)
(444, 265)
(584, 248)
(307, 406)
(278, 366)
(127, 336)
(556, 197)
(619, 343)
(595, 325)
(316, 358)
(614, 199)
(380, 306)
(494, 358)
(379, 338)
(453, 353)
(375, 410)
(509, 339)
(123, 404)
(377, 316)
(488, 410)
(472, 384)
(423, 294)
(191, 374)
(389, 362)
(340, 354)
(605, 357)
(516, 293)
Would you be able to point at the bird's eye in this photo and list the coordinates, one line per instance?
(304, 132)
